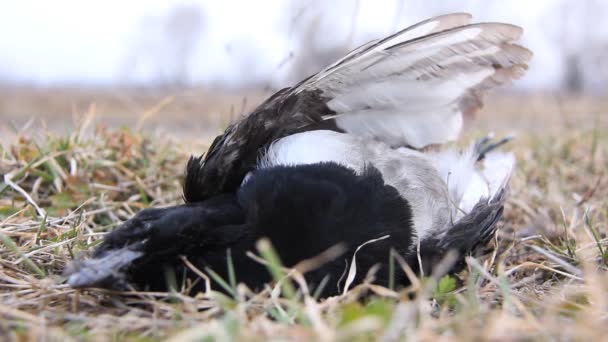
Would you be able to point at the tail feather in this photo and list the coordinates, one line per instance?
(467, 236)
(475, 228)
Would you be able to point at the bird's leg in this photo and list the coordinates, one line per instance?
(485, 145)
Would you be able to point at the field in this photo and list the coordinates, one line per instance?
(93, 166)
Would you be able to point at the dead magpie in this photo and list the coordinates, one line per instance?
(341, 158)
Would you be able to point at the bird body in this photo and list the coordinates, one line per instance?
(341, 158)
(420, 178)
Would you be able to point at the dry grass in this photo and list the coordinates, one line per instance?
(546, 280)
(174, 109)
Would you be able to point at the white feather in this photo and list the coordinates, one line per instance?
(405, 113)
(314, 147)
(439, 186)
(413, 88)
(468, 181)
(426, 27)
(457, 170)
(498, 167)
(410, 172)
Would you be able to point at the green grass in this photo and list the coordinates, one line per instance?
(546, 278)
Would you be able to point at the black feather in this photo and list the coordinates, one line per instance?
(467, 236)
(303, 210)
(234, 153)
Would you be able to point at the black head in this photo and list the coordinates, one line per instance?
(135, 251)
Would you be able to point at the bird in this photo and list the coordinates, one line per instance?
(355, 156)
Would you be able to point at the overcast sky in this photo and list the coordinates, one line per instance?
(94, 42)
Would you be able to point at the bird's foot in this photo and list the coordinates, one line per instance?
(487, 144)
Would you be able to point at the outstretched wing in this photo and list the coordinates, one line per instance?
(412, 88)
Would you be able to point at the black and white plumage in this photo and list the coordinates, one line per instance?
(339, 159)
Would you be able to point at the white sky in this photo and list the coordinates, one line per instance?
(76, 41)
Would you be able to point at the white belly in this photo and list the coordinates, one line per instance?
(439, 186)
(412, 174)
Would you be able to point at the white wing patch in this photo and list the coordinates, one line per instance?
(420, 128)
(402, 112)
(414, 87)
(314, 147)
(439, 186)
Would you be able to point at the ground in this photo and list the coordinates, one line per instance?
(93, 166)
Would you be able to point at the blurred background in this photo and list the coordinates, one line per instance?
(189, 67)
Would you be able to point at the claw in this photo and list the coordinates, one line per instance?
(485, 145)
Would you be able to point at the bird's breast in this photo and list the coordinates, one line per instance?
(410, 172)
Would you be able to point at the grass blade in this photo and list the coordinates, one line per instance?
(10, 244)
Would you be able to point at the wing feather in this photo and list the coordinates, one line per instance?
(416, 92)
(412, 88)
(426, 27)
